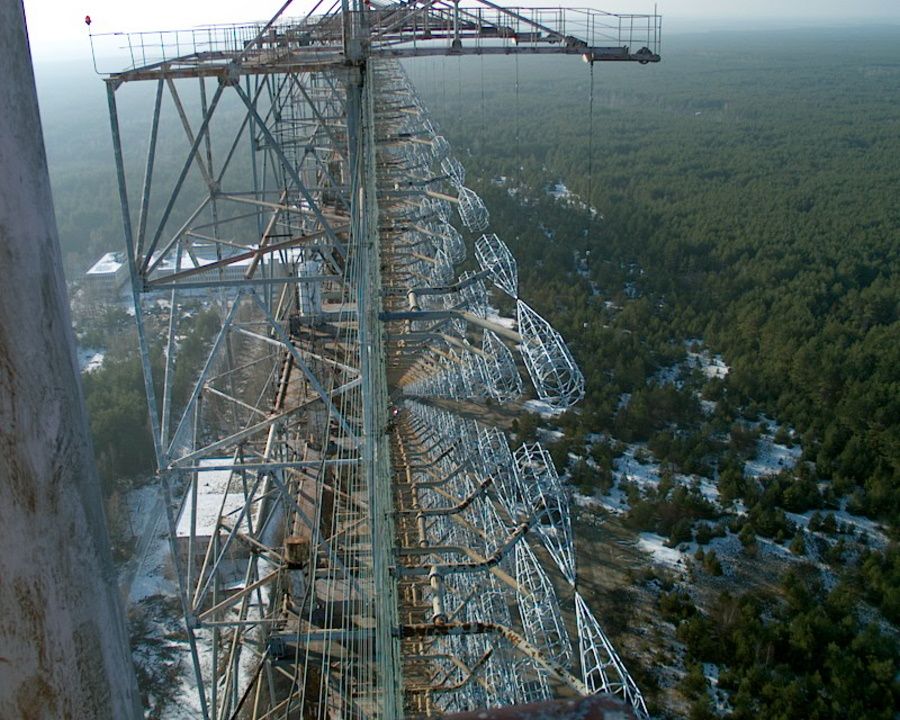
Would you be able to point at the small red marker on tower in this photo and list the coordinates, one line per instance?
(87, 20)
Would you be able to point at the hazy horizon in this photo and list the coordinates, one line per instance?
(57, 30)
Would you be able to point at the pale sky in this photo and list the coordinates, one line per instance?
(57, 29)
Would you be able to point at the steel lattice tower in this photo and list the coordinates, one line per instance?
(367, 552)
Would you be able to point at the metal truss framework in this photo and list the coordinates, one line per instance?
(336, 558)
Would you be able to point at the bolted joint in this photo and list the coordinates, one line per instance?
(232, 75)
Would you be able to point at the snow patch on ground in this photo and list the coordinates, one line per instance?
(615, 501)
(545, 410)
(494, 316)
(559, 191)
(771, 458)
(549, 437)
(873, 531)
(90, 359)
(713, 366)
(161, 647)
(637, 466)
(151, 567)
(587, 501)
(708, 489)
(627, 467)
(770, 548)
(728, 546)
(669, 376)
(655, 546)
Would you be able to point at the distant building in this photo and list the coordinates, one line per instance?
(105, 278)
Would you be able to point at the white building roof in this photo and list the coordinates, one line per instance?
(212, 487)
(206, 254)
(107, 265)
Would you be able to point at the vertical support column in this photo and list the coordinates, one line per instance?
(136, 278)
(63, 640)
(375, 449)
(457, 43)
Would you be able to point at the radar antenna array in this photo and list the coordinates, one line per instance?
(345, 543)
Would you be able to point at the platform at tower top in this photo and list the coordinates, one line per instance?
(391, 29)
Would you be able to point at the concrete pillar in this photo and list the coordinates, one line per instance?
(63, 643)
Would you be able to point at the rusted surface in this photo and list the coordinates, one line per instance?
(296, 551)
(63, 645)
(593, 707)
(476, 628)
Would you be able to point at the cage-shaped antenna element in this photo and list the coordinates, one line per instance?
(539, 608)
(472, 210)
(500, 670)
(453, 242)
(454, 170)
(472, 373)
(557, 379)
(495, 257)
(455, 325)
(442, 270)
(540, 487)
(437, 207)
(601, 668)
(501, 375)
(440, 148)
(497, 460)
(473, 294)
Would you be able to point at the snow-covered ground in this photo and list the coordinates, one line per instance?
(713, 366)
(771, 458)
(662, 554)
(543, 409)
(586, 501)
(681, 558)
(559, 191)
(638, 467)
(561, 194)
(161, 649)
(860, 526)
(708, 489)
(670, 375)
(494, 316)
(549, 436)
(90, 359)
(149, 573)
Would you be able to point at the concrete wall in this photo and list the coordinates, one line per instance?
(63, 644)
